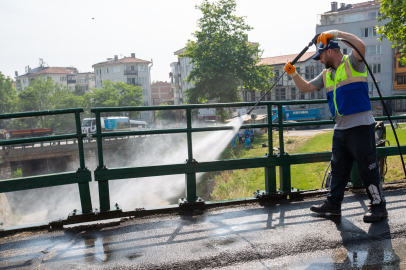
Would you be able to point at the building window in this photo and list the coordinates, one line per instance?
(399, 79)
(372, 15)
(376, 68)
(106, 70)
(62, 79)
(307, 73)
(280, 82)
(24, 81)
(368, 32)
(142, 80)
(93, 78)
(145, 92)
(145, 103)
(345, 51)
(374, 49)
(400, 65)
(293, 93)
(400, 104)
(302, 96)
(277, 97)
(283, 94)
(116, 69)
(142, 68)
(372, 87)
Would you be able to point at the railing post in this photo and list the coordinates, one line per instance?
(190, 177)
(284, 170)
(104, 194)
(84, 189)
(270, 172)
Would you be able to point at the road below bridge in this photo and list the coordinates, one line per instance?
(273, 235)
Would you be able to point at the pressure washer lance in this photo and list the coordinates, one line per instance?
(314, 41)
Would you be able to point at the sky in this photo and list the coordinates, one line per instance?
(64, 33)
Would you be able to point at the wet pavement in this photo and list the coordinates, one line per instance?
(283, 235)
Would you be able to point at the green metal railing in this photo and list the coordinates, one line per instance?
(269, 162)
(103, 174)
(82, 176)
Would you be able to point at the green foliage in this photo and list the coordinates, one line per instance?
(18, 173)
(116, 94)
(395, 29)
(44, 94)
(223, 58)
(8, 95)
(165, 115)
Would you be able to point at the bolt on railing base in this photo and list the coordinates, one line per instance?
(263, 195)
(182, 202)
(78, 214)
(115, 208)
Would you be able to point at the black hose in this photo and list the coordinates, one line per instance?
(380, 96)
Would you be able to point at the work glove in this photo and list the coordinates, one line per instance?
(290, 69)
(326, 36)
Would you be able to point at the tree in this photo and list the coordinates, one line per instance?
(223, 58)
(395, 29)
(8, 95)
(165, 115)
(116, 94)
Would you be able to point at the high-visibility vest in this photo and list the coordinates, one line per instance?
(348, 92)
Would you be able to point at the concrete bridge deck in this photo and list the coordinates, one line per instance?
(273, 235)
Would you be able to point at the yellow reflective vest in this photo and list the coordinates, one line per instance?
(348, 92)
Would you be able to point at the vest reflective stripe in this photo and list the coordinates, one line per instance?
(348, 92)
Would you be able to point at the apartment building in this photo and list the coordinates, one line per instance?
(179, 72)
(161, 93)
(84, 81)
(129, 70)
(62, 75)
(360, 20)
(66, 76)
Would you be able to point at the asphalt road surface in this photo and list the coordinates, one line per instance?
(275, 235)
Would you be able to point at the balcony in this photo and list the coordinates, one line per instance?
(81, 81)
(130, 72)
(135, 84)
(71, 81)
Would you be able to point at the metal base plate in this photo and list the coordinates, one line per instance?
(263, 195)
(183, 202)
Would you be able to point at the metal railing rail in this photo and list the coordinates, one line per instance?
(103, 174)
(82, 176)
(269, 162)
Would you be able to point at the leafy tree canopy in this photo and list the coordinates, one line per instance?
(395, 29)
(8, 95)
(223, 58)
(116, 94)
(165, 115)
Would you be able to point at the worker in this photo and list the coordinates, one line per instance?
(234, 141)
(345, 81)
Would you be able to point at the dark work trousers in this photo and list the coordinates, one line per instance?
(349, 145)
